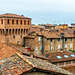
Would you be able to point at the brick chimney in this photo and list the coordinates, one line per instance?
(32, 52)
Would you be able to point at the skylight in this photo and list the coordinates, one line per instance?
(59, 57)
(66, 56)
(72, 55)
(46, 55)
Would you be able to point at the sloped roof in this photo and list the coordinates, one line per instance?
(55, 34)
(7, 51)
(14, 65)
(9, 15)
(17, 64)
(53, 56)
(40, 64)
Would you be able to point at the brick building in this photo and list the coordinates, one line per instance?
(48, 41)
(13, 28)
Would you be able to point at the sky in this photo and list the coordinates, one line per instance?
(41, 11)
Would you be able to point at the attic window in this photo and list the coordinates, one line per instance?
(66, 56)
(72, 55)
(59, 57)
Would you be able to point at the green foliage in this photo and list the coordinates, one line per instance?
(72, 50)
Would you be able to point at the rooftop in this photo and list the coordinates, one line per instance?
(17, 64)
(7, 51)
(9, 15)
(60, 56)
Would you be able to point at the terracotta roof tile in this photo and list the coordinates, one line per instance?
(53, 56)
(7, 51)
(13, 15)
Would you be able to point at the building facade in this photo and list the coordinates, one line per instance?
(46, 42)
(13, 28)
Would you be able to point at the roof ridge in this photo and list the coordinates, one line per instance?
(26, 60)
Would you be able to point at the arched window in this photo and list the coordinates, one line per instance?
(16, 21)
(19, 31)
(12, 21)
(28, 22)
(21, 22)
(16, 31)
(9, 31)
(24, 22)
(6, 31)
(24, 31)
(13, 31)
(7, 21)
(0, 31)
(1, 21)
(3, 31)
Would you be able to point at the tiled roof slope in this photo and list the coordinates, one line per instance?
(40, 64)
(13, 65)
(18, 64)
(54, 34)
(70, 68)
(6, 51)
(13, 15)
(53, 56)
(19, 48)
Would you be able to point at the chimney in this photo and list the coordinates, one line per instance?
(31, 52)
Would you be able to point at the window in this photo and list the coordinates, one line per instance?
(51, 48)
(52, 30)
(28, 22)
(51, 40)
(18, 43)
(7, 21)
(39, 38)
(46, 55)
(59, 39)
(71, 45)
(58, 46)
(24, 22)
(72, 55)
(59, 57)
(16, 21)
(66, 56)
(36, 48)
(65, 39)
(65, 45)
(12, 21)
(21, 36)
(13, 37)
(40, 47)
(71, 39)
(21, 22)
(1, 21)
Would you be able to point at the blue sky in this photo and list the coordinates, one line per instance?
(41, 11)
